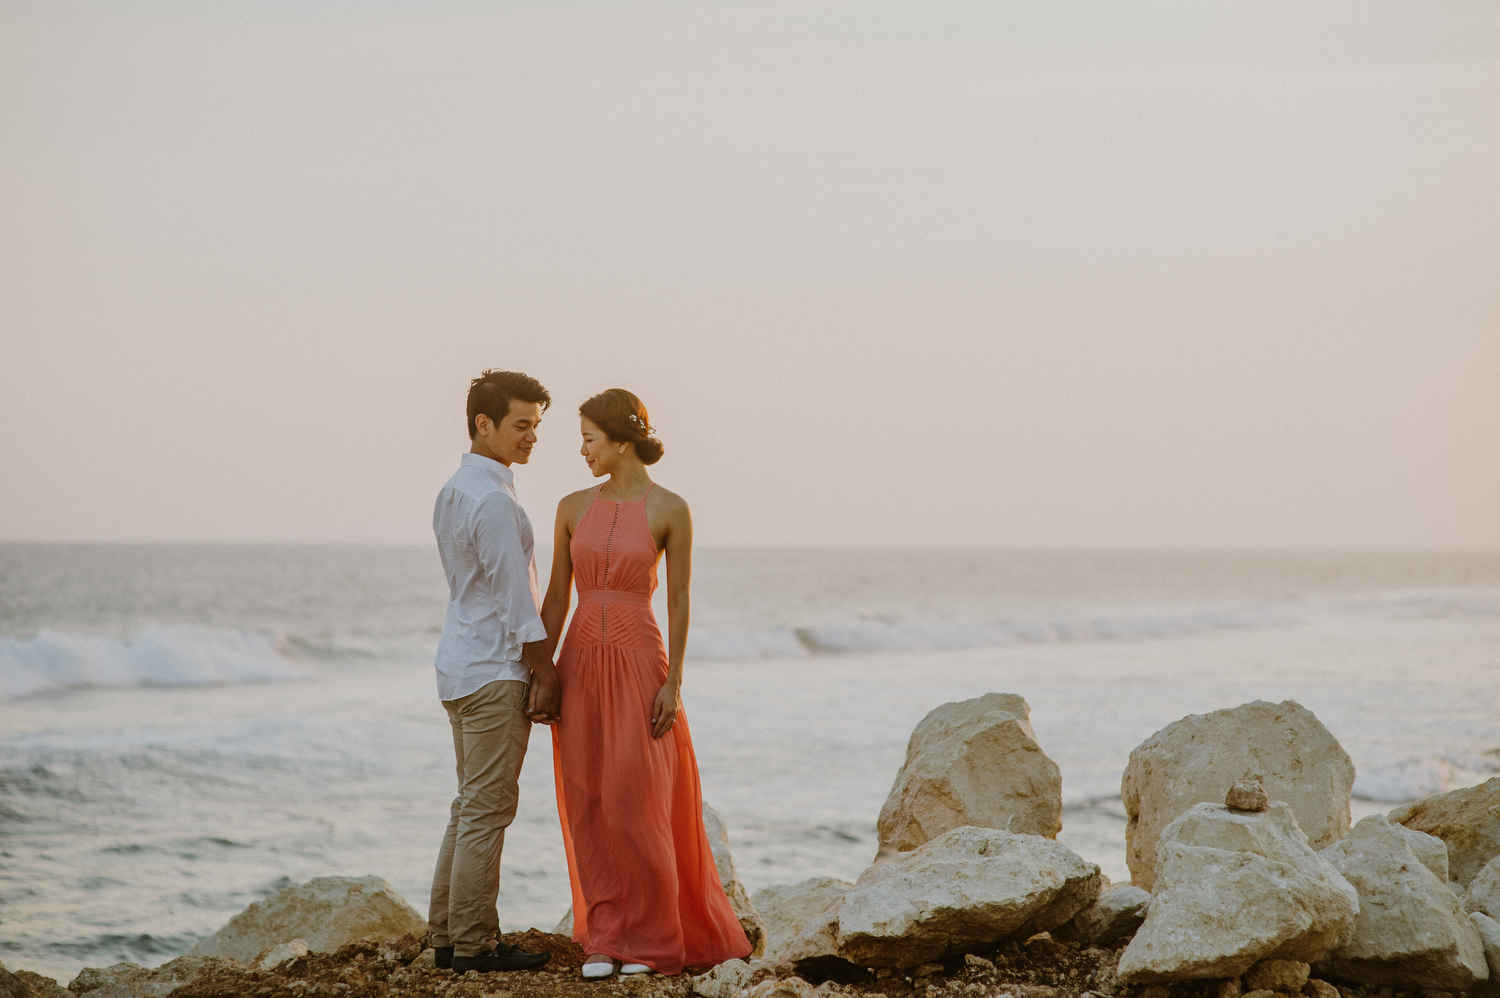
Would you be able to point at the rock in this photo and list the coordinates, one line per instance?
(94, 978)
(1232, 889)
(1116, 915)
(726, 980)
(564, 926)
(1410, 931)
(327, 912)
(729, 877)
(974, 762)
(25, 984)
(1261, 994)
(1468, 820)
(1319, 989)
(131, 980)
(1489, 937)
(789, 987)
(403, 948)
(1191, 761)
(274, 956)
(787, 910)
(969, 888)
(1286, 976)
(1484, 890)
(428, 958)
(1431, 852)
(970, 960)
(818, 938)
(1246, 795)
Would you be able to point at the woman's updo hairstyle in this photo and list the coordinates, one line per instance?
(623, 419)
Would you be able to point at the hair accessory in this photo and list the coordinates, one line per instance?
(641, 424)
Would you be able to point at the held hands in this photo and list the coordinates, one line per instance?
(664, 712)
(545, 702)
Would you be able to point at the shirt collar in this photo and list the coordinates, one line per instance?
(489, 464)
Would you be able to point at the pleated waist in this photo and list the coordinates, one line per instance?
(613, 596)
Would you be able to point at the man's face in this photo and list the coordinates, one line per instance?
(510, 440)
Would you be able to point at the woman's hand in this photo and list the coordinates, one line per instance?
(664, 711)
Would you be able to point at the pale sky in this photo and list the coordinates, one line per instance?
(1038, 273)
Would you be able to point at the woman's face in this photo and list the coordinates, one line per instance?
(601, 453)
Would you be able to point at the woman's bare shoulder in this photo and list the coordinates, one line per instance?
(576, 502)
(668, 501)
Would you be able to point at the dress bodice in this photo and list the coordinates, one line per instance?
(613, 549)
(614, 568)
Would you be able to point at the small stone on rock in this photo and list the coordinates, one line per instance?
(978, 961)
(927, 970)
(1247, 795)
(1319, 989)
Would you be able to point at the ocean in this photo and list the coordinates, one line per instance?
(185, 729)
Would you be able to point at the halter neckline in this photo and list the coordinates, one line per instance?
(599, 495)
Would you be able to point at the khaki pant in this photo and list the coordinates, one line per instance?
(490, 732)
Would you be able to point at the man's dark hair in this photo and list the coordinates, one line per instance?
(491, 392)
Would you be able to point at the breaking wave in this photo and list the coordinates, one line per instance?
(875, 637)
(171, 656)
(1415, 779)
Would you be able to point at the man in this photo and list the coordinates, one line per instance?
(494, 674)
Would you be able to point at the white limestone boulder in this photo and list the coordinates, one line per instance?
(789, 909)
(1430, 851)
(729, 878)
(967, 889)
(1234, 888)
(973, 762)
(326, 913)
(1116, 915)
(1411, 931)
(1484, 891)
(1195, 760)
(1467, 820)
(1489, 936)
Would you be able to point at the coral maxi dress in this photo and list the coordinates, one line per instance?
(644, 884)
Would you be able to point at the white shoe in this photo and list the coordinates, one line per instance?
(597, 971)
(635, 968)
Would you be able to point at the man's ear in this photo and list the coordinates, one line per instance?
(482, 424)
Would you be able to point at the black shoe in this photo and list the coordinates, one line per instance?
(442, 957)
(495, 960)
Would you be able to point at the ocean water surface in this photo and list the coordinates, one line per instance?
(185, 729)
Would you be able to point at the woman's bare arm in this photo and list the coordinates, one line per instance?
(679, 550)
(560, 586)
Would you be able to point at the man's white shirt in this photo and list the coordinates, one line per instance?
(485, 541)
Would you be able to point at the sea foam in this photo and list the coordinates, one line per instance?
(172, 656)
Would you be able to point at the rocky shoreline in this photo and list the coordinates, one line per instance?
(1247, 879)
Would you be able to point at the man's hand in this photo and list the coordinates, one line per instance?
(544, 705)
(664, 711)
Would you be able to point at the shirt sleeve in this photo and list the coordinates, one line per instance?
(497, 539)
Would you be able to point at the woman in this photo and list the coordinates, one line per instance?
(646, 895)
